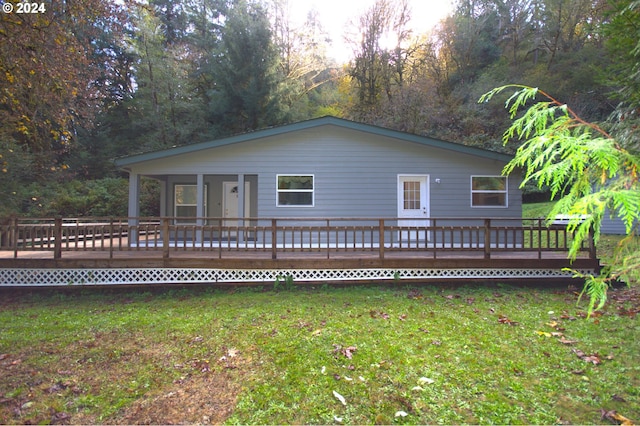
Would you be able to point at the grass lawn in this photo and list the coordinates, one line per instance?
(325, 355)
(395, 354)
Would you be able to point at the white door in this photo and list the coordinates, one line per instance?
(413, 206)
(230, 203)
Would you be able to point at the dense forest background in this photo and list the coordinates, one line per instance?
(92, 80)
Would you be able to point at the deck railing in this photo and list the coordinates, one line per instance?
(167, 235)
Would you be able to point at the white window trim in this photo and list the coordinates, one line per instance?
(178, 220)
(505, 192)
(312, 191)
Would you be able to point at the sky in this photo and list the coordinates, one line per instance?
(336, 15)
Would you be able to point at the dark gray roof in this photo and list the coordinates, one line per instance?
(308, 124)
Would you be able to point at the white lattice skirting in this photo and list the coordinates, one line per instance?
(12, 277)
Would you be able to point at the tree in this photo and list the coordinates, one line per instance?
(161, 105)
(623, 42)
(245, 73)
(48, 70)
(58, 68)
(377, 69)
(590, 171)
(303, 61)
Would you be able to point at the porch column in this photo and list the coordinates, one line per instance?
(241, 214)
(134, 206)
(163, 198)
(200, 213)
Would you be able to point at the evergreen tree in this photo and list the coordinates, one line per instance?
(247, 81)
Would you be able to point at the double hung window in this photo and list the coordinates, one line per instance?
(294, 190)
(186, 203)
(488, 191)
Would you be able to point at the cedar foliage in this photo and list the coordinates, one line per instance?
(589, 172)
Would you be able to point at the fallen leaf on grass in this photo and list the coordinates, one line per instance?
(566, 316)
(502, 319)
(616, 418)
(340, 398)
(567, 341)
(347, 352)
(593, 358)
(543, 333)
(376, 314)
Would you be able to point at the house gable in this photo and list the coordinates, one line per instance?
(128, 162)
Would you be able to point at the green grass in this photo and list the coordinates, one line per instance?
(469, 354)
(535, 210)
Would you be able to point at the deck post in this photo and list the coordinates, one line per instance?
(57, 232)
(539, 238)
(111, 237)
(592, 246)
(165, 237)
(487, 238)
(328, 240)
(274, 234)
(13, 235)
(381, 238)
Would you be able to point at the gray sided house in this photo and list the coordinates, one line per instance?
(327, 168)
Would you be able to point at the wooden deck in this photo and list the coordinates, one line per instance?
(443, 248)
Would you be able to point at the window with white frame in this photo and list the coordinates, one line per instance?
(488, 191)
(294, 190)
(186, 202)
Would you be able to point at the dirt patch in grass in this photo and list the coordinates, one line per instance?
(205, 399)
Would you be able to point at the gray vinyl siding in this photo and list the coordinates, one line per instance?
(613, 225)
(355, 173)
